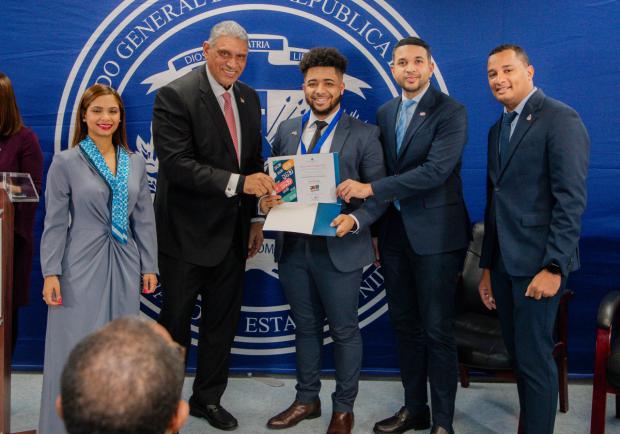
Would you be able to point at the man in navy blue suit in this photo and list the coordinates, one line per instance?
(423, 235)
(536, 192)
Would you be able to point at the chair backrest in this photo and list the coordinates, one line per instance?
(469, 298)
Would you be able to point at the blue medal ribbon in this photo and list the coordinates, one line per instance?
(324, 136)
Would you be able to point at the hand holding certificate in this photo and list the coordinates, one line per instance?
(306, 189)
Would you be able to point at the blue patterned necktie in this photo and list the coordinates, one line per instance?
(504, 136)
(407, 108)
(404, 116)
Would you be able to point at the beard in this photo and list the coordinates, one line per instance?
(328, 110)
(414, 88)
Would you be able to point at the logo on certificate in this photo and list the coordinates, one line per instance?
(286, 187)
(141, 46)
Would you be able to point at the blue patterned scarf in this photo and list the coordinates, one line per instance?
(117, 184)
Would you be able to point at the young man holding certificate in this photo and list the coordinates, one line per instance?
(321, 275)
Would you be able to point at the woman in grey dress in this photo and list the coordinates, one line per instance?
(99, 237)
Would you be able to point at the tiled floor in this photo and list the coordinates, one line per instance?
(483, 408)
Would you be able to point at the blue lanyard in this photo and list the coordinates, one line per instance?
(324, 136)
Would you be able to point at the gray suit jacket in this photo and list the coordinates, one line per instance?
(361, 159)
(535, 200)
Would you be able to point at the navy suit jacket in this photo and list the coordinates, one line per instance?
(535, 200)
(361, 159)
(425, 175)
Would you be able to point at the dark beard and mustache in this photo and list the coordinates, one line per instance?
(328, 110)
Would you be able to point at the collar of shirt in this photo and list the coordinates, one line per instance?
(418, 97)
(524, 101)
(218, 89)
(519, 109)
(313, 118)
(310, 128)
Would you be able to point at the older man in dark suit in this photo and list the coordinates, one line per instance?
(423, 236)
(536, 192)
(206, 128)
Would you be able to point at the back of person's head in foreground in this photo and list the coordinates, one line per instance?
(124, 379)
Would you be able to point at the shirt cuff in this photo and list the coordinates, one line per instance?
(357, 225)
(231, 187)
(257, 219)
(258, 211)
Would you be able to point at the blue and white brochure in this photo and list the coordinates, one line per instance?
(307, 184)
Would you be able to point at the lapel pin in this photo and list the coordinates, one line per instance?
(529, 117)
(242, 100)
(293, 133)
(422, 113)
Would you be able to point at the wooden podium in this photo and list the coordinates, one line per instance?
(6, 300)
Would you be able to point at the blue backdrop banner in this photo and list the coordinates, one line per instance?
(54, 50)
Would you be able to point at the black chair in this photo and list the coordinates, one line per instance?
(606, 361)
(478, 333)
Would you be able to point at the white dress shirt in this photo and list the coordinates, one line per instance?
(519, 109)
(310, 128)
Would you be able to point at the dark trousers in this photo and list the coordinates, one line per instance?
(221, 291)
(420, 293)
(527, 327)
(315, 289)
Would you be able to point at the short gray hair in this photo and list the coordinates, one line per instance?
(227, 28)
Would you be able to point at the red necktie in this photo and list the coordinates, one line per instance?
(230, 121)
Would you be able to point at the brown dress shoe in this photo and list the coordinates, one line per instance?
(341, 423)
(294, 414)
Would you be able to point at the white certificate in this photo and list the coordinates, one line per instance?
(309, 178)
(307, 185)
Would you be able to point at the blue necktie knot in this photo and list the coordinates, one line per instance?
(508, 117)
(408, 103)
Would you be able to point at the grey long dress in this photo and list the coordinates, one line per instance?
(99, 277)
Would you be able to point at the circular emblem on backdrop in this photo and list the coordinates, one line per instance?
(141, 46)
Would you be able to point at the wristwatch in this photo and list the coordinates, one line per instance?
(553, 268)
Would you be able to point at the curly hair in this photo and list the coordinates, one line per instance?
(323, 57)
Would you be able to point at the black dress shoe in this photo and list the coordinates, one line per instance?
(403, 421)
(440, 430)
(216, 415)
